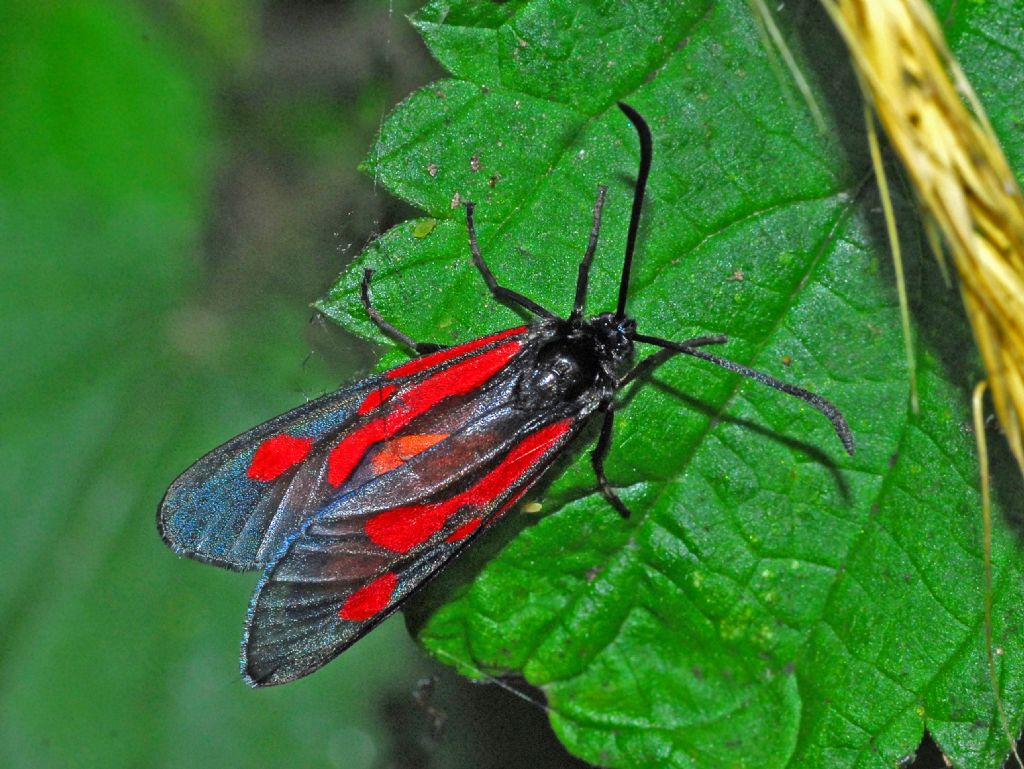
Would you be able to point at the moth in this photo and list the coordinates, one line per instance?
(353, 501)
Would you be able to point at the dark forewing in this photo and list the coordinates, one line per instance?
(236, 506)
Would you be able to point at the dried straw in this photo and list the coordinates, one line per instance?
(941, 134)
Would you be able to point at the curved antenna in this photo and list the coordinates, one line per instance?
(835, 416)
(646, 151)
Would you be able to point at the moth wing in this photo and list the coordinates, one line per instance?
(237, 505)
(348, 570)
(218, 510)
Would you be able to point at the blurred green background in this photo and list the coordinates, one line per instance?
(177, 184)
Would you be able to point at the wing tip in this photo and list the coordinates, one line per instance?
(171, 536)
(259, 673)
(260, 683)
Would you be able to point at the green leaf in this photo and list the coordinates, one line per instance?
(771, 602)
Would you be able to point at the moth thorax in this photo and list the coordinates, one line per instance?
(564, 369)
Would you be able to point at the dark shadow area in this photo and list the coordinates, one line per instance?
(929, 756)
(445, 720)
(290, 207)
(944, 330)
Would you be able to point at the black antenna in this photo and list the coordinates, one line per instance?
(812, 399)
(689, 347)
(646, 151)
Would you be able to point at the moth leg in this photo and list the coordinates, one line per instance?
(500, 293)
(597, 457)
(604, 442)
(402, 338)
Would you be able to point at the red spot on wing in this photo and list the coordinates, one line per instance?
(376, 397)
(457, 379)
(465, 530)
(369, 600)
(277, 454)
(398, 451)
(419, 364)
(402, 528)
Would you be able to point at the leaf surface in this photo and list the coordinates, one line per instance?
(771, 602)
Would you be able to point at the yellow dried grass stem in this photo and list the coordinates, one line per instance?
(978, 410)
(897, 254)
(959, 173)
